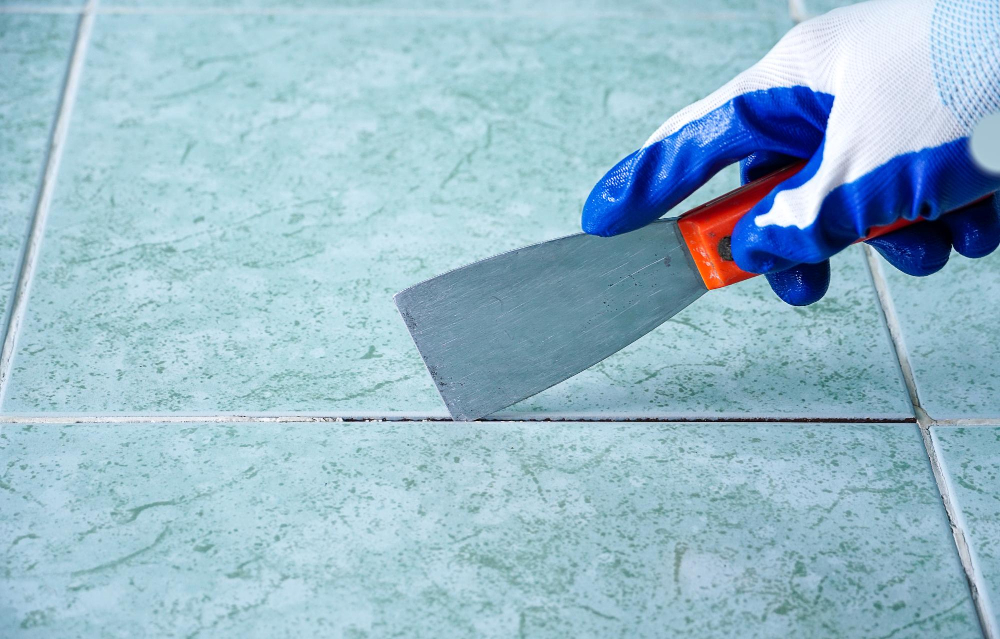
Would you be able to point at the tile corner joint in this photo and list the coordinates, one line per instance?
(924, 424)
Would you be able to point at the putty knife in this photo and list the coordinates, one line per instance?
(503, 329)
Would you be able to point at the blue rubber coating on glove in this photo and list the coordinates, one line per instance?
(917, 250)
(801, 285)
(926, 183)
(761, 164)
(975, 231)
(646, 184)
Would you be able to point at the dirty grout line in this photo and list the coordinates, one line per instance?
(390, 12)
(891, 321)
(67, 10)
(992, 422)
(249, 417)
(924, 424)
(972, 577)
(989, 629)
(398, 12)
(57, 144)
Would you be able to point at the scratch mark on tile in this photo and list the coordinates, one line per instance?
(123, 560)
(187, 151)
(20, 538)
(138, 510)
(193, 90)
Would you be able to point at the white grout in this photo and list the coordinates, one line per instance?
(291, 417)
(955, 519)
(977, 585)
(41, 10)
(57, 143)
(967, 422)
(392, 12)
(888, 310)
(924, 424)
(401, 12)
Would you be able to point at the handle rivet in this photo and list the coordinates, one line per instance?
(725, 249)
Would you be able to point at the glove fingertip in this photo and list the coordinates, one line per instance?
(605, 213)
(975, 230)
(919, 250)
(801, 285)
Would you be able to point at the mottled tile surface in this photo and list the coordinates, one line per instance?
(819, 7)
(34, 50)
(441, 530)
(241, 196)
(950, 325)
(970, 458)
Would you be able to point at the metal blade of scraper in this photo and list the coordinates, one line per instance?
(498, 331)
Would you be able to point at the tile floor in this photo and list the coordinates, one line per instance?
(242, 187)
(569, 530)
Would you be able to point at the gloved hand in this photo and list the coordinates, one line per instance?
(880, 99)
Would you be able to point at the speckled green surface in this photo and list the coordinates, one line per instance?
(819, 7)
(970, 458)
(242, 192)
(950, 325)
(488, 530)
(241, 195)
(34, 50)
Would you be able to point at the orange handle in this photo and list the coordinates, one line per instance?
(708, 229)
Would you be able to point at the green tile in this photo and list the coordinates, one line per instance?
(949, 325)
(815, 8)
(441, 530)
(34, 50)
(970, 458)
(241, 196)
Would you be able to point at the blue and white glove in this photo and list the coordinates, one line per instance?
(880, 99)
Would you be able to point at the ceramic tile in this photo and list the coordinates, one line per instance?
(441, 530)
(949, 326)
(241, 196)
(970, 458)
(34, 50)
(819, 7)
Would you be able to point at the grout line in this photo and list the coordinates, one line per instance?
(972, 422)
(227, 418)
(891, 321)
(67, 10)
(399, 12)
(974, 580)
(924, 424)
(394, 12)
(57, 143)
(989, 628)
